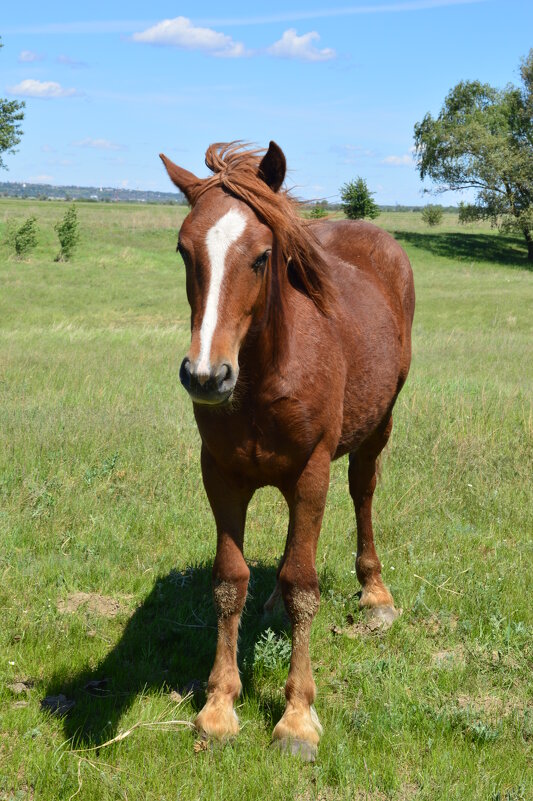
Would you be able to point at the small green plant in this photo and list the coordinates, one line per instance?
(432, 215)
(317, 212)
(68, 233)
(21, 238)
(272, 651)
(357, 200)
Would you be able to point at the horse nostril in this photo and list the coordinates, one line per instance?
(223, 373)
(185, 373)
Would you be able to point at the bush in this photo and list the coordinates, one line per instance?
(23, 238)
(68, 233)
(317, 212)
(432, 215)
(357, 201)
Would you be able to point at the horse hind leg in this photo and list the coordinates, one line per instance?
(362, 477)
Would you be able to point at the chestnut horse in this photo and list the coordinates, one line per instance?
(301, 342)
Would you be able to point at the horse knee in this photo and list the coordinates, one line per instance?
(299, 588)
(230, 583)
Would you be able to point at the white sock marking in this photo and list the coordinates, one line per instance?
(219, 239)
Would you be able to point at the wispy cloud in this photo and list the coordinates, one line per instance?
(42, 89)
(98, 144)
(129, 26)
(406, 160)
(40, 179)
(28, 56)
(180, 32)
(346, 11)
(351, 154)
(300, 47)
(71, 62)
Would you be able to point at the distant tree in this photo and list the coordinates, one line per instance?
(68, 233)
(357, 200)
(22, 239)
(317, 212)
(11, 115)
(432, 214)
(482, 139)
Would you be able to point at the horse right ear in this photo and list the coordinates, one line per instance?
(183, 179)
(273, 167)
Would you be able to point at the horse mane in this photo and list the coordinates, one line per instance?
(235, 168)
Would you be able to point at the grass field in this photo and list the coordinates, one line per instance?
(106, 540)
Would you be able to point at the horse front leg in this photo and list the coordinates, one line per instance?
(299, 729)
(230, 581)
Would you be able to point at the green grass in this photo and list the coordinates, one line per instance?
(101, 493)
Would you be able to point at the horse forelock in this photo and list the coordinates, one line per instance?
(235, 168)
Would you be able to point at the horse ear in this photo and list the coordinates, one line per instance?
(273, 167)
(183, 179)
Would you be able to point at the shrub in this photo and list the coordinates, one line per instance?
(68, 233)
(432, 215)
(357, 200)
(272, 651)
(317, 212)
(22, 238)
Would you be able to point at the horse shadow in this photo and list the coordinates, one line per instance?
(470, 247)
(167, 644)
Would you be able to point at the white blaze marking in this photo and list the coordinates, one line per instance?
(219, 239)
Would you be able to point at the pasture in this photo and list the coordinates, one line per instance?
(106, 540)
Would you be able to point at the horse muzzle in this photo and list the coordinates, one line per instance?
(212, 388)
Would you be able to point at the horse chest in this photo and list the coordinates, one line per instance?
(264, 445)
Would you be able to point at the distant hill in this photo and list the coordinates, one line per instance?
(89, 194)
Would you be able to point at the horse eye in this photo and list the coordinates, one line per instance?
(261, 260)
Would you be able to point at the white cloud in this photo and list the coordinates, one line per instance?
(180, 32)
(44, 89)
(300, 47)
(27, 56)
(399, 161)
(98, 144)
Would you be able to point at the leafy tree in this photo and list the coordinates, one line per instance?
(482, 139)
(357, 200)
(68, 233)
(317, 212)
(11, 115)
(432, 214)
(21, 238)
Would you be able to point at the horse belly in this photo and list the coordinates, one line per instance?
(373, 377)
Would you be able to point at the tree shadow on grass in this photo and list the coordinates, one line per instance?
(467, 246)
(168, 643)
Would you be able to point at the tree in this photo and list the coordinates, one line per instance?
(482, 139)
(317, 212)
(432, 214)
(68, 234)
(357, 201)
(21, 238)
(11, 115)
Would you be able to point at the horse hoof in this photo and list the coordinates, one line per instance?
(307, 752)
(381, 617)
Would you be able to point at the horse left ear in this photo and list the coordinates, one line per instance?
(273, 167)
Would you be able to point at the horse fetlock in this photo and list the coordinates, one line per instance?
(218, 718)
(298, 731)
(375, 594)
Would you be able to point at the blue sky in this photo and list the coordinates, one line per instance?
(109, 85)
